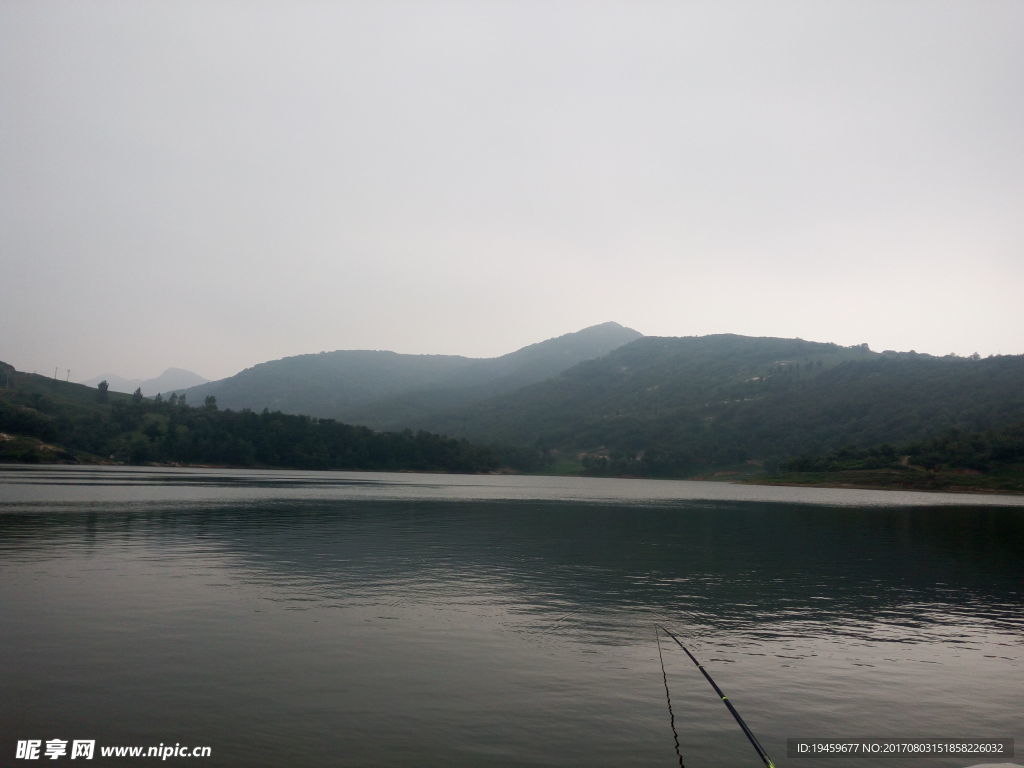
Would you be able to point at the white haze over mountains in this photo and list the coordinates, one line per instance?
(170, 380)
(220, 183)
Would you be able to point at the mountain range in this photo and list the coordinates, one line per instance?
(613, 400)
(387, 390)
(604, 400)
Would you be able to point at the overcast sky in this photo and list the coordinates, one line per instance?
(209, 185)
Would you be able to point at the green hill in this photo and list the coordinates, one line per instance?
(663, 407)
(387, 390)
(45, 420)
(679, 406)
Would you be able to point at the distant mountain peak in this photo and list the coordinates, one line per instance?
(171, 379)
(612, 331)
(590, 342)
(609, 324)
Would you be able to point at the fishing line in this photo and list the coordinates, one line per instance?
(559, 621)
(668, 698)
(725, 700)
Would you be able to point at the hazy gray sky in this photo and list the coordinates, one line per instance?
(213, 184)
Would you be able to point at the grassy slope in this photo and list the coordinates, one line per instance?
(31, 392)
(44, 420)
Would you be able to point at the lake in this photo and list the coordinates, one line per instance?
(374, 619)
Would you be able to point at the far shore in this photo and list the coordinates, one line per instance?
(935, 483)
(882, 487)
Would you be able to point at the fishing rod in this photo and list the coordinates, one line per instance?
(725, 700)
(668, 698)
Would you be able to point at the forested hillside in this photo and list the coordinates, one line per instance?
(991, 459)
(387, 390)
(677, 406)
(664, 407)
(46, 420)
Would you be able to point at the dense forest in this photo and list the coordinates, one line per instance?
(676, 407)
(985, 451)
(43, 419)
(990, 459)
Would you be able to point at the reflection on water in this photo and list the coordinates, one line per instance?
(361, 619)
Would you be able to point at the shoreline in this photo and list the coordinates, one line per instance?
(963, 489)
(844, 483)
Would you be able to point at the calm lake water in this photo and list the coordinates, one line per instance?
(367, 619)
